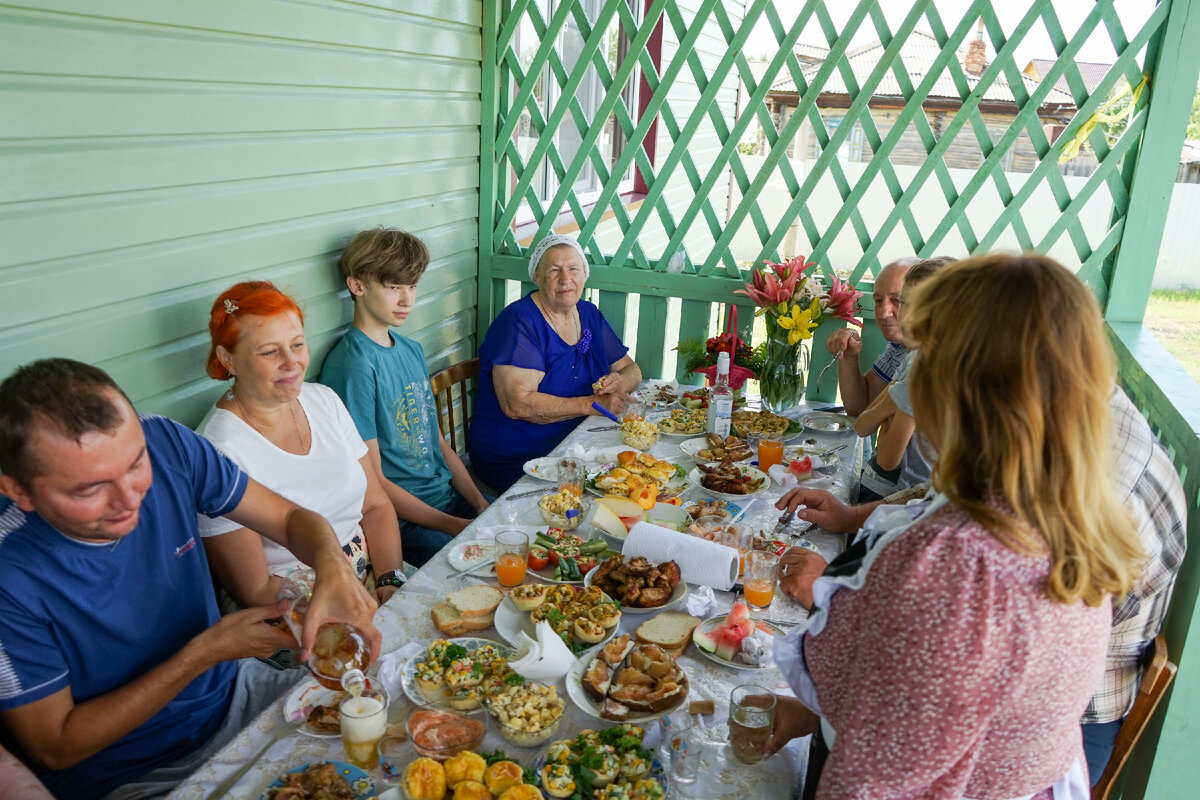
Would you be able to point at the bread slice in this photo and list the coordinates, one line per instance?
(447, 620)
(670, 630)
(475, 601)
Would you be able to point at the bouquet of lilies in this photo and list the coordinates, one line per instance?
(799, 303)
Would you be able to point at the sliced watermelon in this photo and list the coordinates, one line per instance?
(802, 468)
(739, 618)
(704, 640)
(729, 642)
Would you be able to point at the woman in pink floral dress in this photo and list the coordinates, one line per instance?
(957, 661)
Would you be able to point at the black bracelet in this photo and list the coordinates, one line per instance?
(391, 578)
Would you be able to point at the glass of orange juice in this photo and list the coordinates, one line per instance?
(770, 452)
(759, 578)
(740, 538)
(512, 557)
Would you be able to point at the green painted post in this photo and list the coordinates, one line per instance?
(489, 167)
(1172, 87)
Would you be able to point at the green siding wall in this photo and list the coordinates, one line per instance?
(152, 153)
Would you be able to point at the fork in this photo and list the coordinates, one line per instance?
(835, 360)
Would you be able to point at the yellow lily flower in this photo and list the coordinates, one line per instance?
(798, 323)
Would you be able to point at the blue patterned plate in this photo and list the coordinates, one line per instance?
(360, 782)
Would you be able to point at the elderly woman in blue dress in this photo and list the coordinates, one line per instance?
(545, 359)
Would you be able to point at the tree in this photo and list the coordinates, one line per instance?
(1193, 130)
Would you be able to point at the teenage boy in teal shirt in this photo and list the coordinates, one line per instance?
(381, 376)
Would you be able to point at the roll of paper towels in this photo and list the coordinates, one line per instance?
(700, 561)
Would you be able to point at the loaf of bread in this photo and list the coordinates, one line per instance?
(670, 630)
(448, 620)
(475, 601)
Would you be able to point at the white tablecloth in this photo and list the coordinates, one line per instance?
(406, 618)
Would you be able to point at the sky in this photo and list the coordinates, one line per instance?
(1132, 13)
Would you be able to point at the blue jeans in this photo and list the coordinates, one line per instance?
(1098, 740)
(420, 544)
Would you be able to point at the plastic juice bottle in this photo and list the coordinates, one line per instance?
(720, 400)
(759, 592)
(510, 569)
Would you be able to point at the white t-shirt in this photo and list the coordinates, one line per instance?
(328, 479)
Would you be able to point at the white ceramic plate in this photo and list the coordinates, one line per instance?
(692, 447)
(408, 678)
(544, 468)
(713, 622)
(800, 451)
(592, 708)
(677, 596)
(460, 559)
(360, 782)
(304, 697)
(511, 621)
(695, 475)
(827, 422)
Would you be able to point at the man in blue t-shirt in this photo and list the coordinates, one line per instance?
(115, 665)
(381, 376)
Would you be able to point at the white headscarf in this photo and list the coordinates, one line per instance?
(554, 240)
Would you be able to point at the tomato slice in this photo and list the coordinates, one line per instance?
(539, 558)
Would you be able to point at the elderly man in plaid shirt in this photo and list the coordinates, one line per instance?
(1153, 493)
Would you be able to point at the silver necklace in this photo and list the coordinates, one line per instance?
(246, 416)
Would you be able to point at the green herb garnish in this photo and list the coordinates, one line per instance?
(514, 679)
(453, 653)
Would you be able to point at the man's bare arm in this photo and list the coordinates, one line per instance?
(59, 733)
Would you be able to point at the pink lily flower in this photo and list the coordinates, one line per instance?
(843, 301)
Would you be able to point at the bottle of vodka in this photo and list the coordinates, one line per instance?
(720, 400)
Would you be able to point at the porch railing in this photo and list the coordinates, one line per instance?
(621, 121)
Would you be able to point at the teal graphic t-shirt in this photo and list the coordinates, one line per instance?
(387, 392)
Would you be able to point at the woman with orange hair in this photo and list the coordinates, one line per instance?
(294, 437)
(957, 660)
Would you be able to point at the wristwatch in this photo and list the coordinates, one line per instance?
(394, 577)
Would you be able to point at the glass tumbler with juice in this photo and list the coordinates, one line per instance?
(512, 557)
(364, 724)
(751, 720)
(570, 475)
(759, 577)
(770, 452)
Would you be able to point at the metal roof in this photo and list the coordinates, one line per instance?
(917, 54)
(1091, 72)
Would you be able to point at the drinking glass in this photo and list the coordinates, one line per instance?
(364, 723)
(636, 410)
(759, 578)
(770, 452)
(683, 746)
(570, 475)
(394, 754)
(512, 557)
(741, 538)
(751, 720)
(710, 526)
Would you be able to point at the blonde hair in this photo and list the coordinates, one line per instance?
(1012, 386)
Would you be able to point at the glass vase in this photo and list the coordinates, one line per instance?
(785, 371)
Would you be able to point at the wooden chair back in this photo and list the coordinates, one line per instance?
(453, 380)
(1155, 680)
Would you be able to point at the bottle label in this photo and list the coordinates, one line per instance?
(720, 415)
